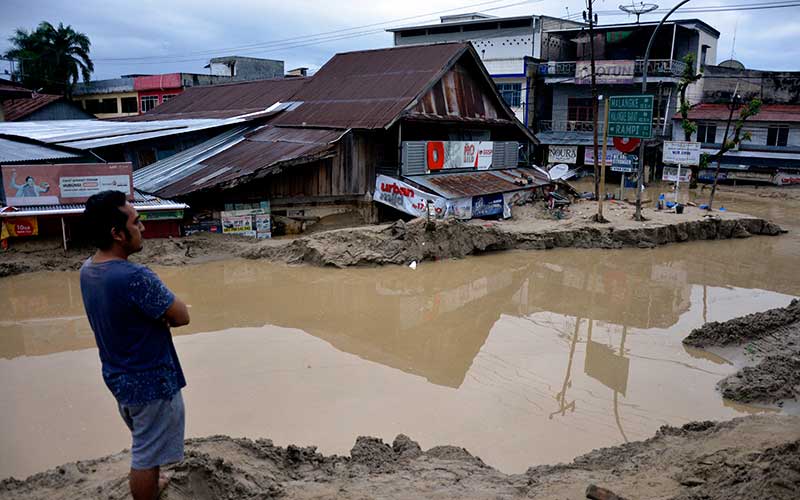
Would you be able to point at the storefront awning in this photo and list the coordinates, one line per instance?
(468, 184)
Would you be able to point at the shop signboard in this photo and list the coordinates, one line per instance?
(563, 154)
(29, 185)
(606, 72)
(630, 116)
(448, 155)
(252, 222)
(676, 174)
(681, 153)
(406, 198)
(161, 215)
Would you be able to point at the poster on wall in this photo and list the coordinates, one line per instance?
(676, 174)
(253, 221)
(446, 155)
(563, 154)
(30, 185)
(406, 198)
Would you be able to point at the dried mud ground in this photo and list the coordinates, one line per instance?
(756, 457)
(766, 345)
(531, 228)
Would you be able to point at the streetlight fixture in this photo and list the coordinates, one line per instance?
(640, 182)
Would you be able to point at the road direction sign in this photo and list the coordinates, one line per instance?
(630, 116)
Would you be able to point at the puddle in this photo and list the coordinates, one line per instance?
(523, 358)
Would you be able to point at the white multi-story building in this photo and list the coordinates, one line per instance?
(509, 47)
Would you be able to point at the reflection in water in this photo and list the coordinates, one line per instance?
(522, 357)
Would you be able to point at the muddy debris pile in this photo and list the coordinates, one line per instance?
(418, 240)
(768, 343)
(756, 457)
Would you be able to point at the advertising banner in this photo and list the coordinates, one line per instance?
(28, 185)
(489, 205)
(612, 156)
(446, 155)
(22, 226)
(563, 154)
(406, 198)
(626, 164)
(681, 153)
(620, 71)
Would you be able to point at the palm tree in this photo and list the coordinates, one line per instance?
(51, 59)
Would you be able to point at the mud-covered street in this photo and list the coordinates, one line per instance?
(539, 356)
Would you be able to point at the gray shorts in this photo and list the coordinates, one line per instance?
(157, 430)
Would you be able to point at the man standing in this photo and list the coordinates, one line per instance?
(131, 312)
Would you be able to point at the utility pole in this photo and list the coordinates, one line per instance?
(640, 182)
(733, 105)
(591, 18)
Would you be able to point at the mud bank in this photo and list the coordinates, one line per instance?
(756, 457)
(767, 344)
(402, 243)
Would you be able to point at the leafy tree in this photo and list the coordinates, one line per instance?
(689, 127)
(50, 58)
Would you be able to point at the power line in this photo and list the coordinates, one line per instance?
(710, 8)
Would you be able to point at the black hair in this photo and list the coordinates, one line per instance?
(104, 213)
(29, 177)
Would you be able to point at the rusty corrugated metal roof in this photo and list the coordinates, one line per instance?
(467, 184)
(369, 89)
(250, 158)
(225, 100)
(14, 109)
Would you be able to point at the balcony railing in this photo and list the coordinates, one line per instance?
(655, 67)
(588, 126)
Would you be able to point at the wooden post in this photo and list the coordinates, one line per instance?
(622, 185)
(64, 234)
(602, 195)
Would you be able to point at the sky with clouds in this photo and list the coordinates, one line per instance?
(181, 35)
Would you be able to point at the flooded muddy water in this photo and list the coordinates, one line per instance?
(523, 358)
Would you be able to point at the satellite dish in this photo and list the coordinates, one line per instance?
(638, 9)
(558, 171)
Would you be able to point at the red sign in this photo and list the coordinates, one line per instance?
(626, 144)
(29, 185)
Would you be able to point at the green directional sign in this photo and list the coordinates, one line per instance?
(630, 116)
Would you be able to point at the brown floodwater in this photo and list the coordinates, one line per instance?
(523, 358)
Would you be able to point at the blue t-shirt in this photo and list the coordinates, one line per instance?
(125, 303)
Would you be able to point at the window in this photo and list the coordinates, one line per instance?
(511, 93)
(149, 102)
(167, 97)
(92, 106)
(707, 132)
(579, 109)
(109, 106)
(703, 55)
(129, 105)
(777, 136)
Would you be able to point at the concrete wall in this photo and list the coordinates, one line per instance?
(772, 87)
(117, 96)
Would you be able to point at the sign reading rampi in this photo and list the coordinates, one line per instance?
(630, 116)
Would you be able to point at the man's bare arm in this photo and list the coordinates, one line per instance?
(177, 314)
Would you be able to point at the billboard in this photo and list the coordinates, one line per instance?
(28, 185)
(407, 198)
(252, 222)
(445, 155)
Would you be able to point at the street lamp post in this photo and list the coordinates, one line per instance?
(640, 183)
